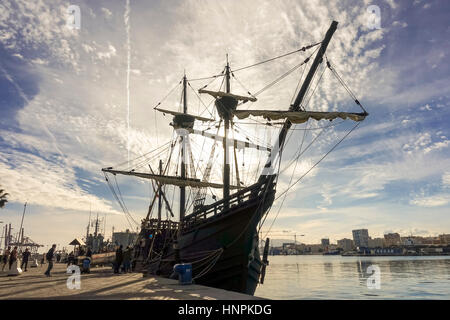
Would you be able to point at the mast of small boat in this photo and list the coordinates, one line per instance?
(89, 223)
(296, 106)
(96, 227)
(226, 161)
(21, 224)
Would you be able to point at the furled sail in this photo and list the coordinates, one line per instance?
(218, 94)
(238, 144)
(184, 114)
(299, 116)
(172, 180)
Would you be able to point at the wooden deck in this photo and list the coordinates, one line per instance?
(103, 284)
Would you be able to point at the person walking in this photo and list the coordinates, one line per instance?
(127, 260)
(12, 257)
(6, 257)
(119, 259)
(49, 258)
(25, 256)
(70, 259)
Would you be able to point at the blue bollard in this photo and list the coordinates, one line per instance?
(184, 271)
(87, 265)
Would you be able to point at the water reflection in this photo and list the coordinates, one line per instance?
(336, 277)
(362, 266)
(328, 268)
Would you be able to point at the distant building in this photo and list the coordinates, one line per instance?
(444, 238)
(407, 241)
(361, 238)
(288, 245)
(325, 242)
(313, 248)
(376, 243)
(431, 240)
(346, 244)
(416, 239)
(125, 239)
(392, 239)
(289, 248)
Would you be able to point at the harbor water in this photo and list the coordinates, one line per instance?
(337, 277)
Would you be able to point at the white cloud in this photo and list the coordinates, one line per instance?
(107, 12)
(437, 146)
(40, 182)
(392, 3)
(446, 179)
(111, 52)
(431, 201)
(399, 24)
(426, 107)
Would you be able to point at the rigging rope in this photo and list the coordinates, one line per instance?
(298, 85)
(278, 57)
(314, 90)
(170, 92)
(117, 198)
(309, 170)
(206, 78)
(335, 73)
(206, 107)
(121, 198)
(334, 147)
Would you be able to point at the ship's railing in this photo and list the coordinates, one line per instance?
(163, 224)
(219, 207)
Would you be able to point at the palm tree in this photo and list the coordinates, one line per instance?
(3, 200)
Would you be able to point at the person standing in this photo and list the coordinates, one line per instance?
(12, 257)
(49, 258)
(119, 259)
(25, 256)
(6, 256)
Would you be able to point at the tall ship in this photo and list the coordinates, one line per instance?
(220, 236)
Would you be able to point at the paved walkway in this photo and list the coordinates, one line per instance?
(103, 284)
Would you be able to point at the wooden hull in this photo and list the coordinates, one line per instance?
(223, 249)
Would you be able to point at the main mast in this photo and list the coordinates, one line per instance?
(226, 160)
(183, 155)
(301, 94)
(160, 193)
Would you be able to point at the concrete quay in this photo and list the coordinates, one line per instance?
(103, 284)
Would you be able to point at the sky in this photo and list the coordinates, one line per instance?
(74, 101)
